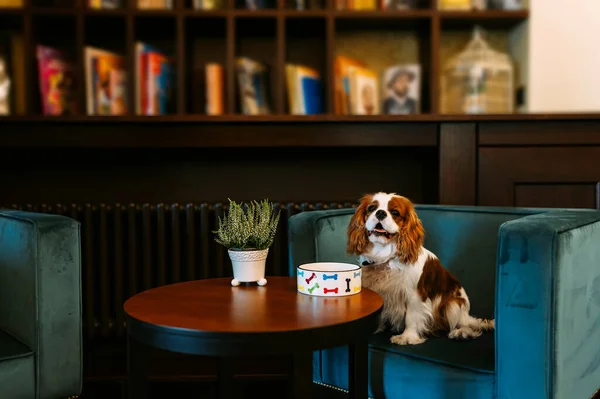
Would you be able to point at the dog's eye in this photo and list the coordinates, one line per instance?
(371, 208)
(395, 213)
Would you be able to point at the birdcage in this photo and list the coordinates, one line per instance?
(479, 80)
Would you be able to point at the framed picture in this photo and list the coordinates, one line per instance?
(402, 89)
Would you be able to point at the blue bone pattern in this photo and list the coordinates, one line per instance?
(330, 277)
(356, 274)
(301, 273)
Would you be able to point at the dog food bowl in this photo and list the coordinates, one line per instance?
(329, 279)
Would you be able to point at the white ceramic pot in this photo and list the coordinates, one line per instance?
(329, 279)
(248, 266)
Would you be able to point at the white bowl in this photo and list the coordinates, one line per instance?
(329, 279)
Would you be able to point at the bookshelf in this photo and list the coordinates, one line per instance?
(274, 36)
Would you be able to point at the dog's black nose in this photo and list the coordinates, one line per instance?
(380, 214)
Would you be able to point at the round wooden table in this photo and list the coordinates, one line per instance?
(212, 318)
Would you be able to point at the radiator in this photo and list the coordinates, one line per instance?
(127, 249)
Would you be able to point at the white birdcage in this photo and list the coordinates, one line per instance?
(479, 80)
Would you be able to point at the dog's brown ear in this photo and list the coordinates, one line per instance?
(410, 236)
(358, 240)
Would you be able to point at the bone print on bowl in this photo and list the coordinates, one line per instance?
(328, 279)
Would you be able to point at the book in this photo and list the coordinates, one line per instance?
(104, 4)
(252, 83)
(106, 82)
(398, 4)
(304, 90)
(454, 4)
(5, 86)
(208, 4)
(402, 88)
(11, 3)
(154, 83)
(214, 76)
(364, 92)
(342, 68)
(56, 82)
(12, 73)
(256, 4)
(155, 4)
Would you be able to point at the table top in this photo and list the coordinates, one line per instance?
(213, 306)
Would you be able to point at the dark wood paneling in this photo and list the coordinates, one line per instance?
(49, 133)
(502, 169)
(539, 133)
(458, 151)
(197, 175)
(555, 195)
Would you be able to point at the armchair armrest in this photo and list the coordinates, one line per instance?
(40, 295)
(548, 306)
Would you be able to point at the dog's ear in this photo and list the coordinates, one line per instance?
(410, 237)
(358, 241)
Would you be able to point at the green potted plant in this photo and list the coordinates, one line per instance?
(247, 230)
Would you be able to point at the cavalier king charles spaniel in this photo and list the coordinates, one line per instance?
(420, 296)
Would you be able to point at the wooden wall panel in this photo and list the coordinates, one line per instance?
(503, 169)
(555, 195)
(542, 133)
(458, 152)
(198, 175)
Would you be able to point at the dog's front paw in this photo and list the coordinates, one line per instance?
(407, 339)
(464, 333)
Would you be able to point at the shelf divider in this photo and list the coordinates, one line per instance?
(30, 58)
(180, 60)
(279, 70)
(329, 78)
(131, 6)
(230, 61)
(434, 64)
(80, 57)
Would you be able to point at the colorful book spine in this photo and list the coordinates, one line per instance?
(214, 89)
(56, 82)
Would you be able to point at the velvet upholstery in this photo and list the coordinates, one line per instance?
(40, 306)
(536, 270)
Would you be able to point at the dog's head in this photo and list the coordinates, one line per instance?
(382, 218)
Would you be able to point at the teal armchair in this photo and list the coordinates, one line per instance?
(40, 306)
(537, 271)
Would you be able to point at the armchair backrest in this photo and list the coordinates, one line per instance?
(464, 238)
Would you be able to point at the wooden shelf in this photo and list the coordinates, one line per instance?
(207, 132)
(493, 19)
(274, 36)
(408, 14)
(295, 119)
